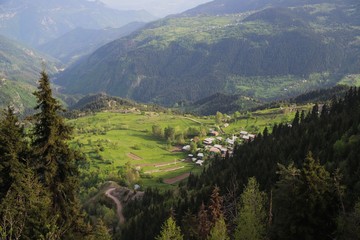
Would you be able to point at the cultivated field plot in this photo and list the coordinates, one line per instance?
(112, 139)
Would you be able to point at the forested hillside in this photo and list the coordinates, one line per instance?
(265, 54)
(301, 182)
(39, 176)
(20, 67)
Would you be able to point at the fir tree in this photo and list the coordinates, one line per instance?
(204, 224)
(170, 231)
(24, 203)
(219, 230)
(54, 161)
(251, 223)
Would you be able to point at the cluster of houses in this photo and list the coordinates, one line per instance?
(212, 145)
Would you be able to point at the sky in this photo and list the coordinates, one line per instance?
(158, 8)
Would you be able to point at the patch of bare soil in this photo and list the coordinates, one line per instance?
(134, 156)
(177, 178)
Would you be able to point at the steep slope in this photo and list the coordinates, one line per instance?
(80, 42)
(20, 67)
(264, 54)
(38, 21)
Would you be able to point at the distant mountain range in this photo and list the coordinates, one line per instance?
(37, 22)
(261, 49)
(20, 69)
(80, 42)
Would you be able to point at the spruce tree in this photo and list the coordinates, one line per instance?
(204, 224)
(251, 223)
(219, 230)
(170, 231)
(54, 161)
(23, 203)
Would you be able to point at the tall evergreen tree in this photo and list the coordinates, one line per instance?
(24, 203)
(219, 230)
(170, 231)
(54, 161)
(204, 224)
(251, 223)
(215, 207)
(305, 202)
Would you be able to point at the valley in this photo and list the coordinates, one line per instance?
(236, 119)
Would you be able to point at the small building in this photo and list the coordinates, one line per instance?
(214, 150)
(199, 162)
(186, 148)
(200, 155)
(243, 133)
(219, 138)
(214, 133)
(208, 141)
(226, 125)
(218, 146)
(137, 187)
(194, 159)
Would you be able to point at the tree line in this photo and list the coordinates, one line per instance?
(306, 176)
(39, 176)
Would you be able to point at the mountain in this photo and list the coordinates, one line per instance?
(20, 67)
(235, 6)
(80, 42)
(268, 53)
(39, 21)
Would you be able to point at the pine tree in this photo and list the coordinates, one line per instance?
(251, 223)
(215, 207)
(12, 146)
(204, 224)
(24, 203)
(170, 231)
(219, 230)
(54, 161)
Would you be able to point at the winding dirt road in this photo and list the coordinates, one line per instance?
(119, 206)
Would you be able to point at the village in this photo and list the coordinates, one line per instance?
(215, 145)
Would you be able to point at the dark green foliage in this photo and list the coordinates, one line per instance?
(312, 196)
(54, 161)
(274, 50)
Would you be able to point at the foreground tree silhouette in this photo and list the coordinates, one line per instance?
(55, 162)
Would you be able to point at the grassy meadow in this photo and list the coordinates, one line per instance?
(110, 140)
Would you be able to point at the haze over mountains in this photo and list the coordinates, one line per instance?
(37, 22)
(264, 49)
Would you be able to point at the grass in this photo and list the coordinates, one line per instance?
(270, 88)
(351, 80)
(108, 138)
(257, 121)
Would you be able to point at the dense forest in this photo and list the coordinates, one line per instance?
(301, 181)
(39, 176)
(295, 181)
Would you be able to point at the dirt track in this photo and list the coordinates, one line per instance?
(119, 206)
(177, 178)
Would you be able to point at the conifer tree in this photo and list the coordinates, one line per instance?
(24, 203)
(215, 207)
(251, 223)
(204, 224)
(54, 161)
(219, 230)
(170, 231)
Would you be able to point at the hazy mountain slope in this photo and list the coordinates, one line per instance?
(79, 42)
(217, 7)
(36, 22)
(267, 54)
(19, 71)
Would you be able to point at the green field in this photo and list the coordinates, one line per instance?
(351, 80)
(110, 140)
